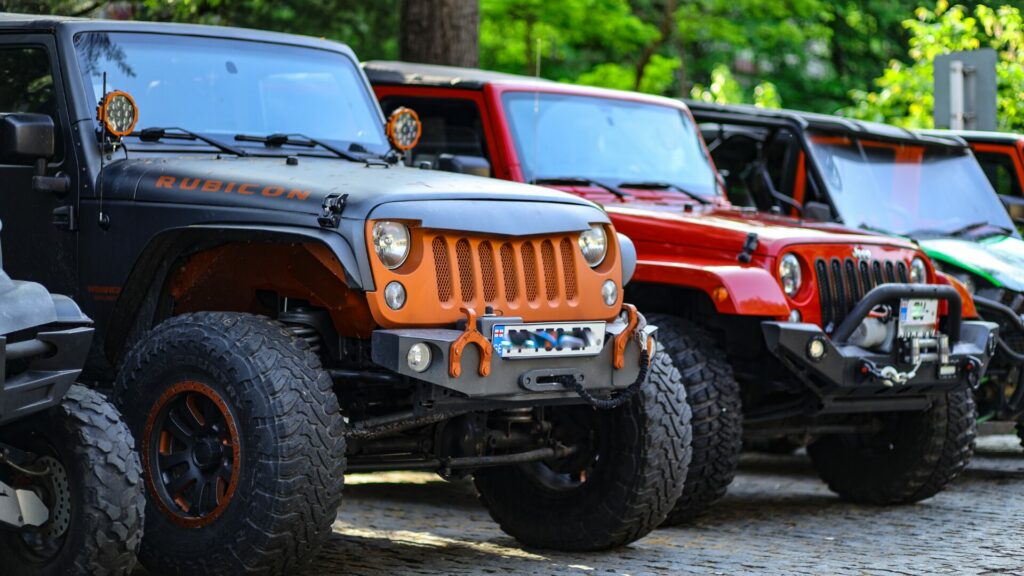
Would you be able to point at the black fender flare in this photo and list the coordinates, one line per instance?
(139, 304)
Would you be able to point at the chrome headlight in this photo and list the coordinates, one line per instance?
(918, 271)
(594, 245)
(790, 275)
(391, 243)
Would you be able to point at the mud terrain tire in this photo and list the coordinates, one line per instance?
(714, 398)
(644, 447)
(914, 457)
(103, 478)
(248, 391)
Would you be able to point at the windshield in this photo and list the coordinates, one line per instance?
(227, 87)
(604, 139)
(906, 189)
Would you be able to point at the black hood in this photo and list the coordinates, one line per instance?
(273, 184)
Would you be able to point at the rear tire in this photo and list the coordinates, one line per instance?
(714, 398)
(96, 474)
(639, 457)
(241, 440)
(914, 457)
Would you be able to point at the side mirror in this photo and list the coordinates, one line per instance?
(26, 139)
(475, 165)
(818, 211)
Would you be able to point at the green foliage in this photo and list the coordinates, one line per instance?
(724, 89)
(903, 93)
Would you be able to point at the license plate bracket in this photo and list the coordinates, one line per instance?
(548, 339)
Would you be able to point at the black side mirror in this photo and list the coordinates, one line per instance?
(818, 211)
(475, 165)
(26, 139)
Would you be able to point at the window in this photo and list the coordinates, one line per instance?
(449, 127)
(26, 84)
(1000, 171)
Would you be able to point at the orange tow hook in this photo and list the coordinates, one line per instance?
(470, 336)
(619, 353)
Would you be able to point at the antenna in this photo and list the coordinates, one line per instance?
(104, 220)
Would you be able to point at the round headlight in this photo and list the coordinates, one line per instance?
(394, 295)
(789, 274)
(918, 271)
(609, 292)
(594, 245)
(391, 243)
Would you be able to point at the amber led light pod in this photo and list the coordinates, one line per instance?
(404, 129)
(117, 113)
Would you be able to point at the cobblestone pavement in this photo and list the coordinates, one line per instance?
(778, 519)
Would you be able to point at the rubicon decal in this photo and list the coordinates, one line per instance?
(228, 187)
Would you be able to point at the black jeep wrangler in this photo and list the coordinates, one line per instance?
(71, 498)
(278, 300)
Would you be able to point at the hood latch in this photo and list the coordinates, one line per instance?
(749, 245)
(330, 213)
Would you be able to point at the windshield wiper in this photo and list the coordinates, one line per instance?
(278, 140)
(964, 230)
(155, 134)
(667, 186)
(577, 181)
(877, 230)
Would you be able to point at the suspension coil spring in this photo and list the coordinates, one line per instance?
(299, 322)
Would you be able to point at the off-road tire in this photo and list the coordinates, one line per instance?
(105, 485)
(290, 430)
(646, 452)
(915, 457)
(714, 398)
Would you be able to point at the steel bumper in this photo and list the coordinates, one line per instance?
(513, 379)
(54, 361)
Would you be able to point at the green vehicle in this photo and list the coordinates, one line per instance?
(927, 187)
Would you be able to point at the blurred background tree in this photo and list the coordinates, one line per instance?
(903, 93)
(869, 58)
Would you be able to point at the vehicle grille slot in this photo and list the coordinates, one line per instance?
(442, 269)
(464, 256)
(569, 268)
(865, 276)
(529, 254)
(876, 267)
(890, 273)
(838, 289)
(509, 273)
(547, 257)
(488, 275)
(825, 294)
(851, 278)
(901, 269)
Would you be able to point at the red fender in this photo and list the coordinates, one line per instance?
(734, 289)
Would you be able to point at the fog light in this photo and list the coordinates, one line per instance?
(394, 295)
(794, 316)
(610, 292)
(816, 348)
(418, 357)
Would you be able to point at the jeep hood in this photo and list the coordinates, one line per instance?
(997, 259)
(273, 184)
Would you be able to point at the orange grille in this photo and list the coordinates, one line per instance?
(480, 283)
(442, 269)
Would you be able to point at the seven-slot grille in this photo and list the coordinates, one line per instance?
(505, 274)
(842, 283)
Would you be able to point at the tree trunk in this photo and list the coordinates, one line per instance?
(440, 32)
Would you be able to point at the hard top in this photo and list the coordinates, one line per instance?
(745, 113)
(979, 136)
(69, 26)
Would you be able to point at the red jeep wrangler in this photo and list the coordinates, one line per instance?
(850, 342)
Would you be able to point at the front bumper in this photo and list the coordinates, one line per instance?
(55, 359)
(858, 378)
(514, 379)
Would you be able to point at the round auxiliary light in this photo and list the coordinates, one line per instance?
(816, 349)
(609, 292)
(418, 357)
(391, 243)
(117, 113)
(918, 271)
(790, 275)
(594, 244)
(394, 295)
(404, 129)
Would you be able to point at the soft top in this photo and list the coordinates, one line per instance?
(978, 136)
(745, 113)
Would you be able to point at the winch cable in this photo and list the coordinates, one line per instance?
(615, 401)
